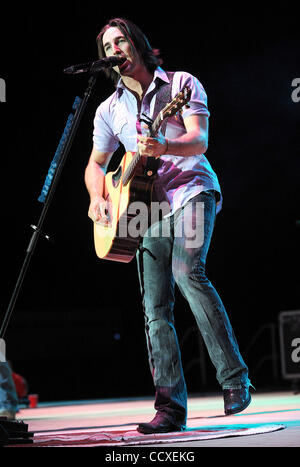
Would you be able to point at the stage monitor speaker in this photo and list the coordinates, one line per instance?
(289, 335)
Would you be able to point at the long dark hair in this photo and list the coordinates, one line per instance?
(136, 39)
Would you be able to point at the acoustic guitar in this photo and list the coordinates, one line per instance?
(113, 238)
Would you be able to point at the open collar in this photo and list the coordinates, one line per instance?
(159, 75)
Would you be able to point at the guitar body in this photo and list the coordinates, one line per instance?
(114, 240)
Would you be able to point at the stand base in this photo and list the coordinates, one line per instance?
(14, 432)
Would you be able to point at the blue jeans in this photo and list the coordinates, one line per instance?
(8, 395)
(163, 261)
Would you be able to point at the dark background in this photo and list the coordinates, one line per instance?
(77, 327)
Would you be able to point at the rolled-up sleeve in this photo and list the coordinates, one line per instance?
(198, 101)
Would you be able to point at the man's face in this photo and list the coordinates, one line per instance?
(115, 43)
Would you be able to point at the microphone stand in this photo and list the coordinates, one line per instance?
(49, 189)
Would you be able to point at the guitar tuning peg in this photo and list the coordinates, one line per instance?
(187, 106)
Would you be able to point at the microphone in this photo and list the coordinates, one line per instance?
(93, 67)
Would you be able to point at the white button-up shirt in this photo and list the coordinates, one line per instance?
(117, 121)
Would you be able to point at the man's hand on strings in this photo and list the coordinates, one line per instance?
(152, 147)
(98, 210)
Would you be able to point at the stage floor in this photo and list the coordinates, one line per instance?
(205, 415)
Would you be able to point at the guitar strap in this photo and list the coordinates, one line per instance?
(163, 97)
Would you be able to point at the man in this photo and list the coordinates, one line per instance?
(186, 180)
(8, 395)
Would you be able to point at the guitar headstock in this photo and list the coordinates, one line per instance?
(176, 104)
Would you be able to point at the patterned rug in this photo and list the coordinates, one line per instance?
(89, 438)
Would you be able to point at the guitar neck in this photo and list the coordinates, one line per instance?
(156, 124)
(133, 164)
